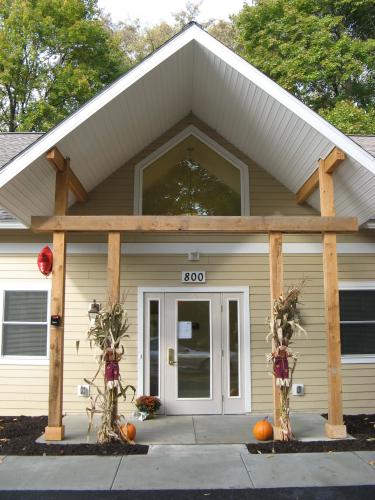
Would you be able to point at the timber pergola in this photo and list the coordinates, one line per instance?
(326, 224)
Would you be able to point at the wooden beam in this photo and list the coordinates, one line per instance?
(331, 162)
(114, 262)
(56, 159)
(308, 188)
(113, 274)
(326, 191)
(181, 224)
(55, 429)
(60, 164)
(276, 287)
(335, 427)
(76, 187)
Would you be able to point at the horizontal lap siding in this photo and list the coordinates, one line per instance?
(358, 379)
(86, 279)
(23, 389)
(311, 368)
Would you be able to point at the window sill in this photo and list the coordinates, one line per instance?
(350, 359)
(24, 361)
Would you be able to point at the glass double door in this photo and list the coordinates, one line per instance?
(199, 367)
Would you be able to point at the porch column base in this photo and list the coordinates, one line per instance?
(336, 431)
(277, 434)
(54, 433)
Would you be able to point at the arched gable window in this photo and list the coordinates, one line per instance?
(191, 175)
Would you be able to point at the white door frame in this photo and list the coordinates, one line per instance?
(195, 289)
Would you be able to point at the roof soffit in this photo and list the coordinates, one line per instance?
(192, 72)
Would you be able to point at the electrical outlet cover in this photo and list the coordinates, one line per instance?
(83, 390)
(298, 390)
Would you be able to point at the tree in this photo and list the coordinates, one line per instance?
(322, 51)
(54, 56)
(138, 41)
(350, 118)
(225, 32)
(190, 13)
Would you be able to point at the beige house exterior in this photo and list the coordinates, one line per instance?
(152, 265)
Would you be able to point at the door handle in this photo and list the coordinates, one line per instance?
(171, 359)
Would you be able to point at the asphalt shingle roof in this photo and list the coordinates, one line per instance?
(12, 143)
(366, 142)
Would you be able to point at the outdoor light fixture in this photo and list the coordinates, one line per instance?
(193, 255)
(93, 310)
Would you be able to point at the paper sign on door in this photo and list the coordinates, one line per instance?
(185, 330)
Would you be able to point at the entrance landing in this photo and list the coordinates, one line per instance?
(197, 429)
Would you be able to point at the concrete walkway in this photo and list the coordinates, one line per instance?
(197, 429)
(188, 467)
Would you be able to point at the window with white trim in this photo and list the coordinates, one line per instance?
(357, 322)
(191, 174)
(24, 323)
(191, 179)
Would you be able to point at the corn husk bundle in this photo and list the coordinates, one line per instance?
(284, 324)
(106, 334)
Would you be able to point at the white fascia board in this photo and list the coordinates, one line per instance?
(286, 99)
(50, 139)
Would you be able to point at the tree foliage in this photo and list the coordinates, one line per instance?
(322, 51)
(138, 40)
(54, 55)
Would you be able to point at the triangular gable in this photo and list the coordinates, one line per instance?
(191, 72)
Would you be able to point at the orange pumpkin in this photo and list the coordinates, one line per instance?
(263, 430)
(128, 431)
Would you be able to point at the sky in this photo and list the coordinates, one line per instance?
(153, 11)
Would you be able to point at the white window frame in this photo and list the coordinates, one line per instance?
(42, 286)
(210, 143)
(357, 358)
(147, 343)
(239, 353)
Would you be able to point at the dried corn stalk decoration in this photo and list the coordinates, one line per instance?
(283, 325)
(107, 332)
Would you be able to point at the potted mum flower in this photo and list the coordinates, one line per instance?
(147, 406)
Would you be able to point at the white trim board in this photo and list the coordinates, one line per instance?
(185, 248)
(205, 289)
(210, 143)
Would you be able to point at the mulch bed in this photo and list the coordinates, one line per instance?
(18, 435)
(361, 427)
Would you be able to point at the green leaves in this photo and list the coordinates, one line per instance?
(54, 56)
(321, 51)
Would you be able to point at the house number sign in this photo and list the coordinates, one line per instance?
(193, 277)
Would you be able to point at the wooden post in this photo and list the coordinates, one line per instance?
(114, 261)
(55, 430)
(276, 287)
(335, 427)
(114, 269)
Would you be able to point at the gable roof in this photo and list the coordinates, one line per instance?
(192, 72)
